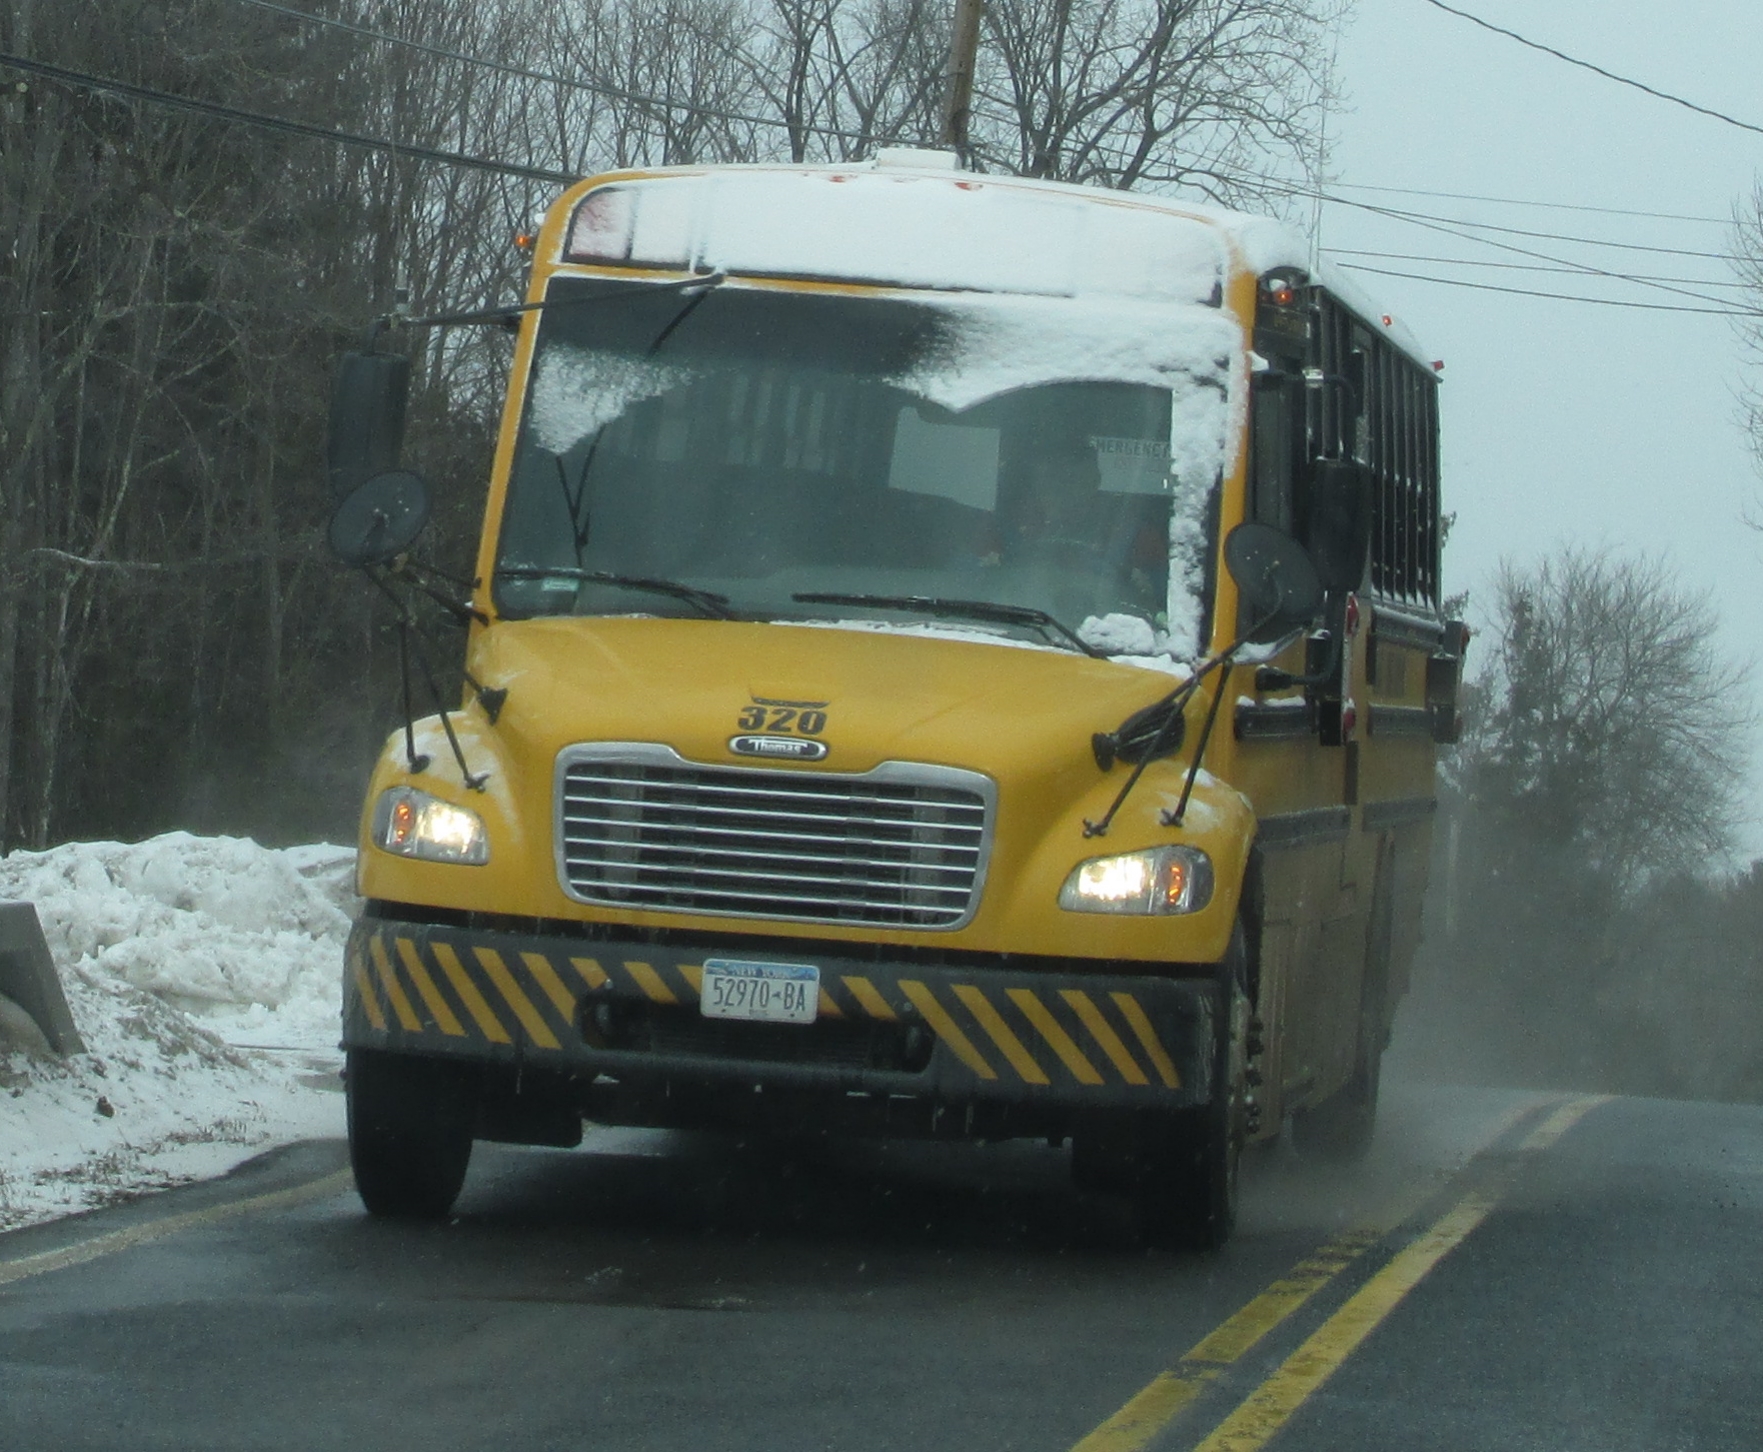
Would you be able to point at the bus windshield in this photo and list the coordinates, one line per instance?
(758, 444)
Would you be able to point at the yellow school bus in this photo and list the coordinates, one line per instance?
(948, 656)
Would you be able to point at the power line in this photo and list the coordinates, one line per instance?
(616, 93)
(1608, 302)
(1422, 217)
(101, 85)
(1531, 202)
(1279, 186)
(619, 93)
(1518, 266)
(1584, 267)
(1596, 70)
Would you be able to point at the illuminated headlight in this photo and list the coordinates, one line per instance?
(1157, 880)
(414, 824)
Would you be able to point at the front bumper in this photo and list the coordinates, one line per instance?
(628, 1010)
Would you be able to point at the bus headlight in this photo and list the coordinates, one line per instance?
(1158, 880)
(411, 823)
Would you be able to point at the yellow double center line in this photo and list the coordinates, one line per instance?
(1272, 1404)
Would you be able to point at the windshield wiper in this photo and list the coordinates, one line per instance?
(509, 313)
(958, 610)
(710, 603)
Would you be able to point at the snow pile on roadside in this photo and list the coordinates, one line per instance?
(246, 939)
(204, 975)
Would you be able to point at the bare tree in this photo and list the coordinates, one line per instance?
(1211, 94)
(1747, 262)
(1596, 935)
(1615, 738)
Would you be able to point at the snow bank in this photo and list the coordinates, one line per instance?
(205, 976)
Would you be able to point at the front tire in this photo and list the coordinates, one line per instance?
(1182, 1167)
(410, 1131)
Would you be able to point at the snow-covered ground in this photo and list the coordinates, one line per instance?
(204, 974)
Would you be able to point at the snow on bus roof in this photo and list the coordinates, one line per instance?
(967, 232)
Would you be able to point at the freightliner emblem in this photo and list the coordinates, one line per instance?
(788, 748)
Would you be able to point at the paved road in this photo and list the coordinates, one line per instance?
(1507, 1272)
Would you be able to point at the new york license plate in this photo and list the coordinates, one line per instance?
(765, 992)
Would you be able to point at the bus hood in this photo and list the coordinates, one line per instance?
(1022, 716)
(846, 697)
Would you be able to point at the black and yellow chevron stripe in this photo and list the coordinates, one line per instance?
(496, 995)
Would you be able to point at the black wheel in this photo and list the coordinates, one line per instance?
(1339, 1130)
(1181, 1167)
(410, 1130)
(1192, 1202)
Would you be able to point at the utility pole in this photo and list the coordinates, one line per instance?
(963, 46)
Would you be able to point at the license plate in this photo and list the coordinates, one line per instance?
(765, 992)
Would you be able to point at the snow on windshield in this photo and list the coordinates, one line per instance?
(1007, 343)
(578, 391)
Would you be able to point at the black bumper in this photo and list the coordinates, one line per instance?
(628, 1010)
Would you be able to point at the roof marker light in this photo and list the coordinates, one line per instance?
(1279, 285)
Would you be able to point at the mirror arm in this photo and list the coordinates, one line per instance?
(1177, 703)
(1317, 380)
(491, 698)
(377, 329)
(413, 761)
(1174, 819)
(1272, 678)
(472, 783)
(409, 643)
(459, 610)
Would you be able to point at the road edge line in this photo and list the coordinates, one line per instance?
(113, 1241)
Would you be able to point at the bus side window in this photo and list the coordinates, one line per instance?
(1276, 447)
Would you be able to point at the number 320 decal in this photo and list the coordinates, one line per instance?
(803, 719)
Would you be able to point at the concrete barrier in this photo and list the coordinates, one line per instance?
(28, 978)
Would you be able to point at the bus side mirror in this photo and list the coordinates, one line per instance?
(1276, 580)
(1339, 522)
(380, 520)
(367, 419)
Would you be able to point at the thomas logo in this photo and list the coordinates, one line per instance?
(779, 748)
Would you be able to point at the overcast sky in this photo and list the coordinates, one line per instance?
(1567, 421)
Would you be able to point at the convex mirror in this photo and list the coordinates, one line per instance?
(1279, 585)
(381, 519)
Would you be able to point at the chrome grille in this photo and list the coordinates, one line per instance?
(904, 845)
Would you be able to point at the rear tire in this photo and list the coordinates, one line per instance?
(410, 1131)
(1339, 1130)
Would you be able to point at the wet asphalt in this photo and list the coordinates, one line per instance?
(686, 1293)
